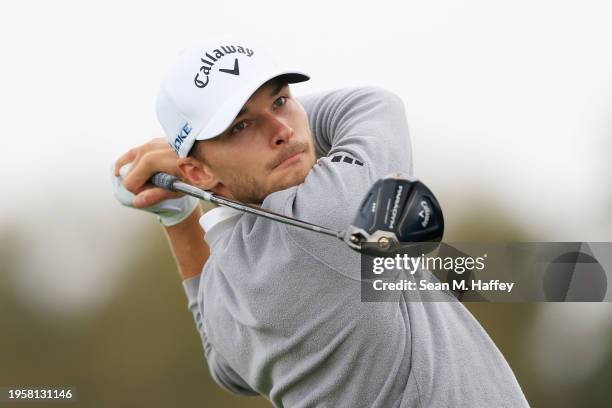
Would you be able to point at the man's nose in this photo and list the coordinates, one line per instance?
(279, 129)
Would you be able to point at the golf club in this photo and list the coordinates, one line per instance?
(397, 211)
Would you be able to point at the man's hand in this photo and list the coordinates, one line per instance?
(132, 172)
(146, 160)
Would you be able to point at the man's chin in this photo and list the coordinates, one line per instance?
(292, 179)
(281, 185)
(285, 180)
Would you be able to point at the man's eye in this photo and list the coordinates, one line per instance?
(280, 101)
(239, 126)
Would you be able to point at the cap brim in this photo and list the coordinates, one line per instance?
(230, 109)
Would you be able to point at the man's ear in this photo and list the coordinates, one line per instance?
(197, 173)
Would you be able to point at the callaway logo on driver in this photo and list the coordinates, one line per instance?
(425, 213)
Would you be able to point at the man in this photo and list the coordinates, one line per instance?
(278, 308)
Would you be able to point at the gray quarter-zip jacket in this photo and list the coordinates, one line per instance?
(278, 308)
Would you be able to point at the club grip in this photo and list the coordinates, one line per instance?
(164, 180)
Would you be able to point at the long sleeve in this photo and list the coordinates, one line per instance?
(366, 124)
(220, 371)
(279, 308)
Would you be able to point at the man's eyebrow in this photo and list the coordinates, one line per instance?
(242, 112)
(279, 87)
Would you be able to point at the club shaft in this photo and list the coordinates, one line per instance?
(174, 184)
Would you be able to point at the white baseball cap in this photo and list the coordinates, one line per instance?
(208, 85)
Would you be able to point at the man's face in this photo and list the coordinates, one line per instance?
(268, 147)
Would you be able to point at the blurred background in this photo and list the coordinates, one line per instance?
(509, 109)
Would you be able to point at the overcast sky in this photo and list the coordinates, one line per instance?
(511, 100)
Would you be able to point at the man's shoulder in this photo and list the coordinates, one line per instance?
(349, 94)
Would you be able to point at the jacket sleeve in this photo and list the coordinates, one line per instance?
(220, 371)
(366, 124)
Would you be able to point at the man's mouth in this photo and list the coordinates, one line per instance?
(290, 157)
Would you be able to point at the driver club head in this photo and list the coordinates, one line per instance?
(397, 213)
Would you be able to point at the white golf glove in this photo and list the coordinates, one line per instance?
(170, 212)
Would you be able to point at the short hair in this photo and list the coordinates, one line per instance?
(194, 151)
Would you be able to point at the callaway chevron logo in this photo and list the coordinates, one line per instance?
(215, 56)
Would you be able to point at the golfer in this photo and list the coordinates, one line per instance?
(278, 308)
